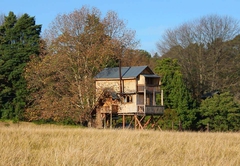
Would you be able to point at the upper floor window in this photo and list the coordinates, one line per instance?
(149, 81)
(127, 99)
(152, 81)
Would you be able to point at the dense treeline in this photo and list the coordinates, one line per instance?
(216, 111)
(19, 40)
(206, 52)
(51, 78)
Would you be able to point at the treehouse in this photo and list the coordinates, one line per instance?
(127, 91)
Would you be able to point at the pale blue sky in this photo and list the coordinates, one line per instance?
(149, 18)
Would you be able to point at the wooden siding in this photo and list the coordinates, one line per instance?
(128, 86)
(100, 85)
(110, 109)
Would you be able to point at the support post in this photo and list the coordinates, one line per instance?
(120, 77)
(145, 98)
(110, 119)
(105, 121)
(139, 122)
(162, 97)
(135, 122)
(154, 97)
(123, 121)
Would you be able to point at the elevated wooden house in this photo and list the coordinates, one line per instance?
(130, 91)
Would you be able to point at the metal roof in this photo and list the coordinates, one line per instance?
(127, 72)
(151, 76)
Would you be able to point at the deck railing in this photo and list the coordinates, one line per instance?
(155, 110)
(140, 88)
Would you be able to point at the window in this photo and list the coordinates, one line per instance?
(127, 99)
(149, 81)
(152, 81)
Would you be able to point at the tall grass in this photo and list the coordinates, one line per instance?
(58, 145)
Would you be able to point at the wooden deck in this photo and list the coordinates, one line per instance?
(150, 110)
(141, 88)
(154, 110)
(141, 110)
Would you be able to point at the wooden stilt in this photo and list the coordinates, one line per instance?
(105, 121)
(111, 120)
(132, 118)
(123, 121)
(139, 122)
(148, 121)
(135, 122)
(155, 122)
(142, 118)
(162, 97)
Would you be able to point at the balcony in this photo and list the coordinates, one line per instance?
(150, 110)
(140, 88)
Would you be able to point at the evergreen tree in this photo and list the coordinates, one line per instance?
(220, 113)
(19, 39)
(176, 94)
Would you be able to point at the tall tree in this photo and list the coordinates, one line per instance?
(19, 39)
(176, 94)
(1, 19)
(200, 47)
(230, 72)
(136, 58)
(80, 44)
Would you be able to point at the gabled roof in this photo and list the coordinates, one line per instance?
(126, 72)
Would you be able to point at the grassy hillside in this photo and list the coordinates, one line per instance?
(29, 144)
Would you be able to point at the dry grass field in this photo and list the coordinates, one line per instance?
(50, 145)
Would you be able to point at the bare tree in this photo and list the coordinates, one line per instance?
(1, 19)
(116, 29)
(200, 48)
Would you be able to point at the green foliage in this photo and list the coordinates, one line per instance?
(175, 92)
(220, 113)
(166, 69)
(169, 120)
(19, 39)
(144, 53)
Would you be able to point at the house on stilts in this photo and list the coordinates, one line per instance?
(127, 93)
